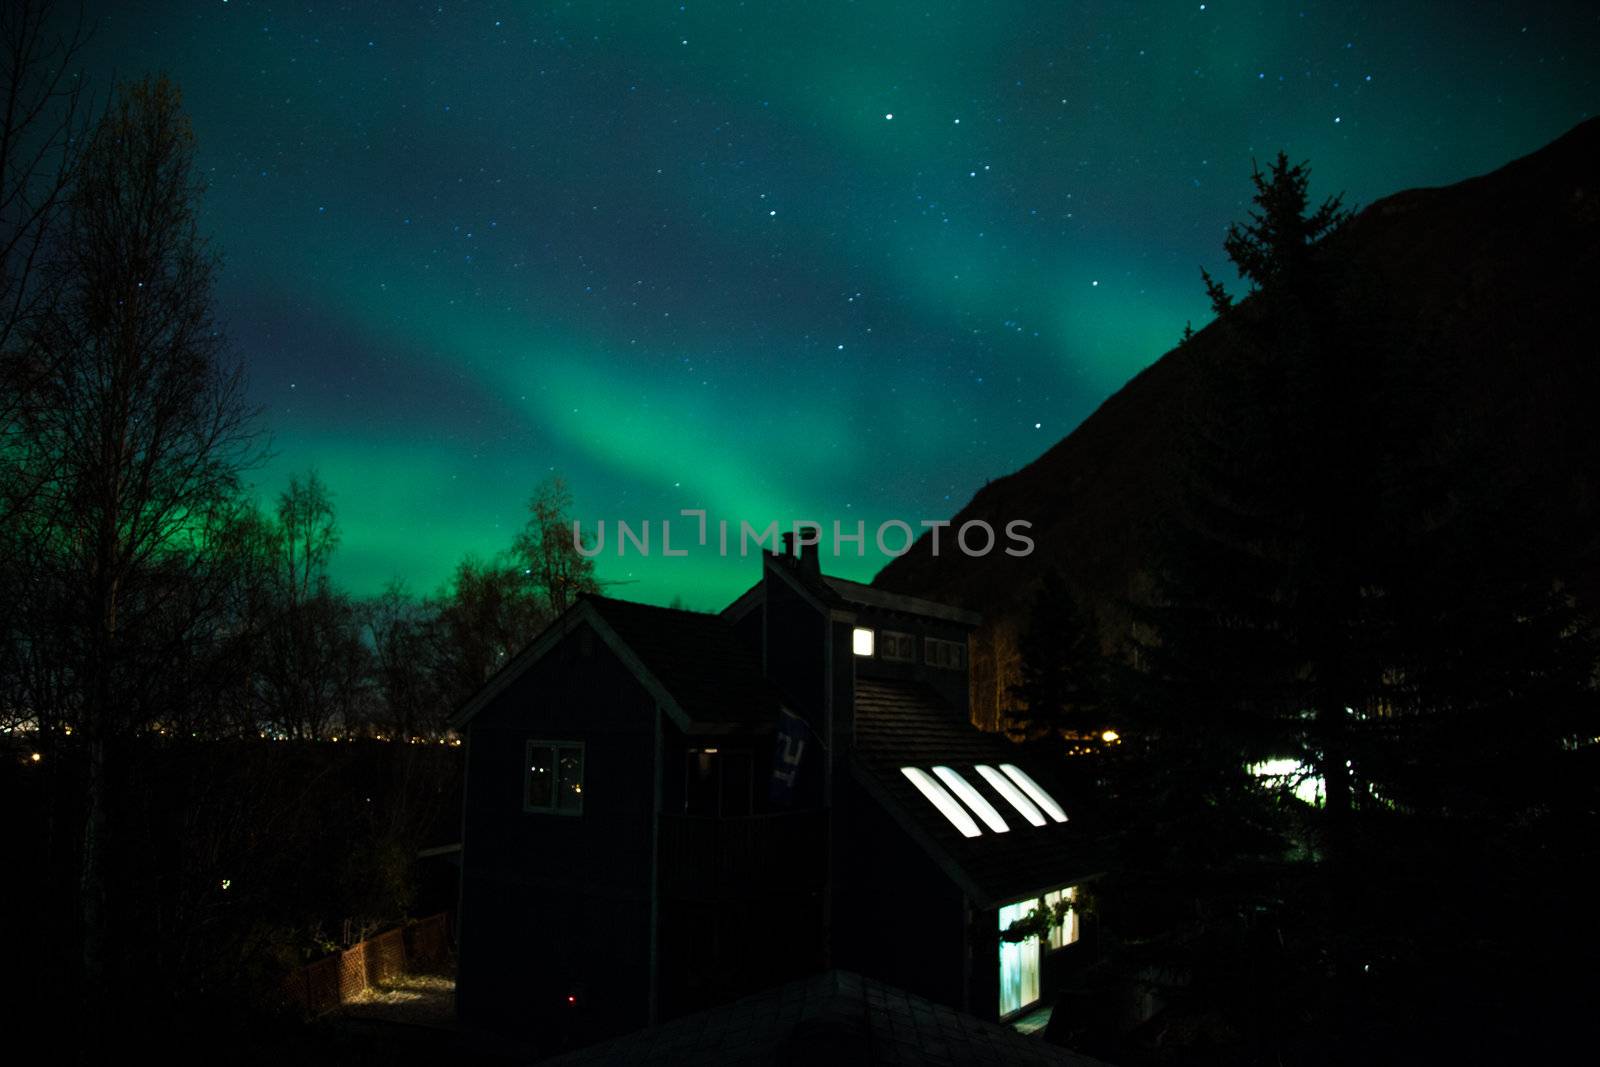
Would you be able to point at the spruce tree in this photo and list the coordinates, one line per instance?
(1062, 667)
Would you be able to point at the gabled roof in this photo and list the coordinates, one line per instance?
(842, 594)
(901, 724)
(699, 659)
(694, 664)
(836, 1017)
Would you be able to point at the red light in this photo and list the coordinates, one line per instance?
(571, 999)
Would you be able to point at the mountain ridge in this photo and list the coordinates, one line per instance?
(1480, 295)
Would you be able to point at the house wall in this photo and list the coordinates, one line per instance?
(796, 663)
(951, 685)
(898, 917)
(556, 905)
(1058, 968)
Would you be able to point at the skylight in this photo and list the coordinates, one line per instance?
(936, 794)
(1033, 789)
(1013, 795)
(972, 799)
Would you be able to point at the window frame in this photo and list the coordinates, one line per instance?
(556, 748)
(957, 649)
(1070, 929)
(1026, 957)
(896, 639)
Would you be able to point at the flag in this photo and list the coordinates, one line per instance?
(790, 749)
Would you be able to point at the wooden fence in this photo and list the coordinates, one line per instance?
(324, 985)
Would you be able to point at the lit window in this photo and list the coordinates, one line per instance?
(1013, 795)
(972, 799)
(929, 787)
(1032, 788)
(1293, 775)
(1019, 961)
(863, 641)
(1066, 931)
(553, 781)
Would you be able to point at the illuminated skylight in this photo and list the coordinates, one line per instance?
(942, 800)
(1013, 795)
(972, 799)
(1032, 788)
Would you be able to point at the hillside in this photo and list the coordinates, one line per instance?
(1478, 300)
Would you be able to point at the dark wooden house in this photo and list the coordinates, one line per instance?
(666, 809)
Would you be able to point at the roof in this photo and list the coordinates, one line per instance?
(902, 724)
(694, 664)
(714, 676)
(833, 592)
(836, 1017)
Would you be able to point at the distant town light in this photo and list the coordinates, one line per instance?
(1111, 737)
(36, 757)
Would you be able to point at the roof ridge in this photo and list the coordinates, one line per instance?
(602, 599)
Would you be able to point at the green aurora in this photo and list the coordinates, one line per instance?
(683, 255)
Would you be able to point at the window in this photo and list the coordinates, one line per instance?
(897, 648)
(553, 778)
(1034, 790)
(940, 653)
(940, 798)
(1003, 785)
(1066, 931)
(862, 641)
(972, 798)
(1019, 962)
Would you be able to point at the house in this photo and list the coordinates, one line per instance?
(666, 810)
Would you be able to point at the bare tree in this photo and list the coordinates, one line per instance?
(315, 669)
(307, 535)
(485, 616)
(41, 97)
(550, 559)
(402, 645)
(147, 428)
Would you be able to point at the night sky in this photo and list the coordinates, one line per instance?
(779, 261)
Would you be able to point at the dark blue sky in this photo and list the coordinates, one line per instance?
(683, 254)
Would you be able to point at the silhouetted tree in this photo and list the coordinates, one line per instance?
(486, 615)
(43, 136)
(144, 422)
(545, 547)
(1061, 691)
(403, 646)
(1273, 249)
(317, 664)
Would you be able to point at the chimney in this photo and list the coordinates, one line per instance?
(785, 545)
(810, 559)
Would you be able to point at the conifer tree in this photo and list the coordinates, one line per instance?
(1062, 667)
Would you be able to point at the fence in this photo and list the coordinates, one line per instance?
(324, 985)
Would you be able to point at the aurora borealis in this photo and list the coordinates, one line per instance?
(683, 254)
